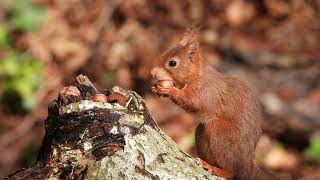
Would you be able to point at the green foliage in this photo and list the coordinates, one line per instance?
(110, 77)
(21, 75)
(279, 147)
(190, 139)
(259, 159)
(30, 155)
(4, 36)
(313, 151)
(26, 16)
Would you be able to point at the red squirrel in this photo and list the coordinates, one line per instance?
(227, 109)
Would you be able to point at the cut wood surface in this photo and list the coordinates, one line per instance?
(92, 139)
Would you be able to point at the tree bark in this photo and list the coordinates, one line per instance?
(88, 139)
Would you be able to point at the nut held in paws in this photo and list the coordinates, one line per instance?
(165, 83)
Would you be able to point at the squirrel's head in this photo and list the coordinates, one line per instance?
(180, 64)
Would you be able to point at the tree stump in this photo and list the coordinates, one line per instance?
(89, 136)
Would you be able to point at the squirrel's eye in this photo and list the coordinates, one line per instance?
(172, 63)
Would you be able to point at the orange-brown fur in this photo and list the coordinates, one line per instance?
(227, 109)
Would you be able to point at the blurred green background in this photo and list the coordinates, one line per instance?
(272, 44)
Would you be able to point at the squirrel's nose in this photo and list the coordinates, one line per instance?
(160, 73)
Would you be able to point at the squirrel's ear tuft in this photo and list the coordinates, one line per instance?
(190, 41)
(191, 35)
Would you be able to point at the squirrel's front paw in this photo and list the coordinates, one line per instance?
(161, 91)
(163, 88)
